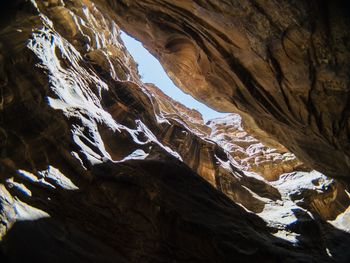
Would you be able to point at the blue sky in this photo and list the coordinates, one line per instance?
(151, 71)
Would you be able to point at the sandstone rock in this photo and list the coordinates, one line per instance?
(94, 168)
(282, 65)
(243, 178)
(323, 197)
(249, 152)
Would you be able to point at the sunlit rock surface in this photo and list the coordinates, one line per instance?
(283, 65)
(253, 155)
(267, 181)
(96, 166)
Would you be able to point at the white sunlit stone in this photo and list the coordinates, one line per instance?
(34, 179)
(14, 209)
(59, 179)
(50, 178)
(25, 212)
(136, 155)
(19, 187)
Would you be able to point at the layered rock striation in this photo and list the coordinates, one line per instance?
(282, 65)
(96, 166)
(249, 152)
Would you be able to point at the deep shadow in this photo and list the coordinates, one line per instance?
(48, 240)
(319, 235)
(150, 211)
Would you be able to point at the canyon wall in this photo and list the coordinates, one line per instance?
(282, 65)
(96, 166)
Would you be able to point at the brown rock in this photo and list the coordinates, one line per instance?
(90, 164)
(249, 152)
(282, 65)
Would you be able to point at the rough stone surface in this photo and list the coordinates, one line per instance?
(283, 65)
(249, 172)
(96, 166)
(249, 152)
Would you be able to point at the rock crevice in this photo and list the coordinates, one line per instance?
(97, 166)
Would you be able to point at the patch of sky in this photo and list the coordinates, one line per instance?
(152, 71)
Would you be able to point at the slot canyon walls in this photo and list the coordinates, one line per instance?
(96, 166)
(283, 65)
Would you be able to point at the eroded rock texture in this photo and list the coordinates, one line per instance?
(96, 166)
(283, 65)
(249, 172)
(250, 152)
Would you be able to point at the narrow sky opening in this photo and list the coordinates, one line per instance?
(152, 71)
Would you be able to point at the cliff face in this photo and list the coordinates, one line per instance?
(249, 172)
(283, 65)
(250, 152)
(97, 166)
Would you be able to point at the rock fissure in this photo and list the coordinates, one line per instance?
(97, 166)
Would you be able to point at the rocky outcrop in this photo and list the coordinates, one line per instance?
(249, 152)
(185, 133)
(96, 167)
(283, 65)
(228, 133)
(170, 108)
(322, 197)
(247, 171)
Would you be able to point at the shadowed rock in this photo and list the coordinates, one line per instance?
(94, 167)
(283, 65)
